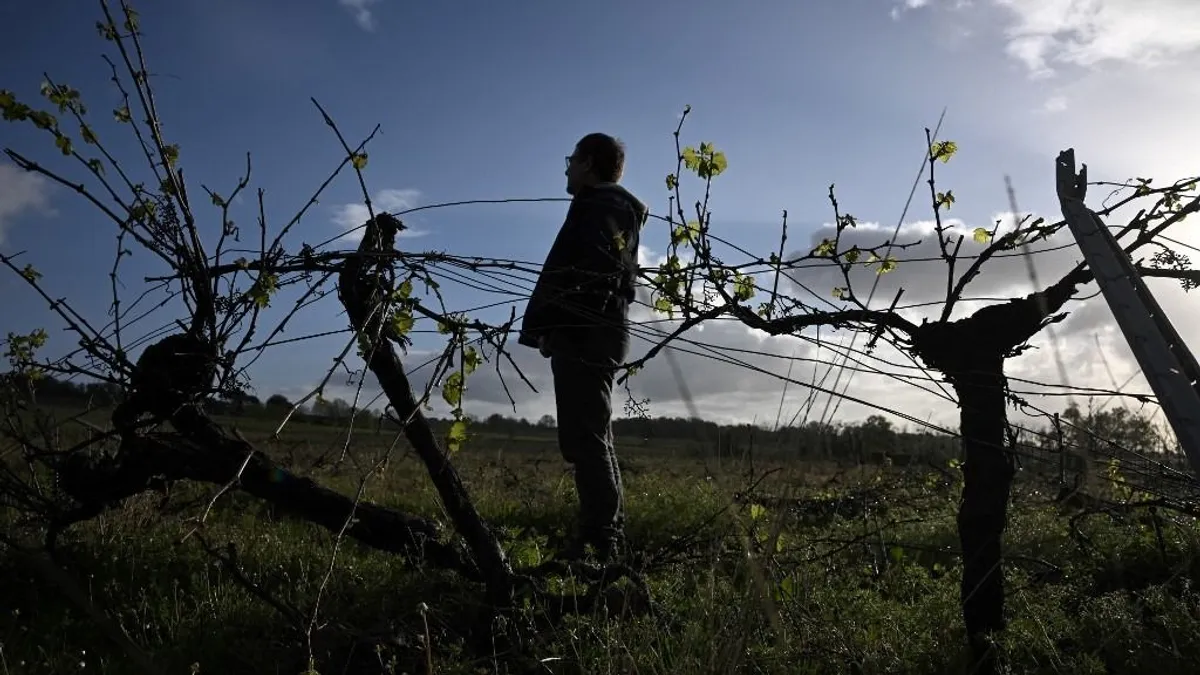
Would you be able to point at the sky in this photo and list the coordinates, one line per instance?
(481, 101)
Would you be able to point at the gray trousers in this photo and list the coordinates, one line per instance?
(584, 371)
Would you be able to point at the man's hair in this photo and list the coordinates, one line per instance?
(607, 155)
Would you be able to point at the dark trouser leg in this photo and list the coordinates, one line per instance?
(583, 393)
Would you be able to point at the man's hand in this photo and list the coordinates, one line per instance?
(544, 345)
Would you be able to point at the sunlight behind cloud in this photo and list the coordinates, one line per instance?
(1140, 32)
(1047, 34)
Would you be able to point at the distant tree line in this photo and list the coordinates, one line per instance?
(1082, 435)
(51, 391)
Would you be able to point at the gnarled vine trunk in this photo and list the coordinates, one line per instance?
(987, 481)
(978, 379)
(203, 451)
(971, 353)
(363, 294)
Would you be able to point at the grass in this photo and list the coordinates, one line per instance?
(756, 588)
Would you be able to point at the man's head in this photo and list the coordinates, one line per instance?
(598, 158)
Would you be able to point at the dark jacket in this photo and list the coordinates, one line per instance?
(588, 279)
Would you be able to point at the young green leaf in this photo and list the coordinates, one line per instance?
(886, 265)
(470, 360)
(690, 159)
(943, 150)
(260, 292)
(401, 323)
(719, 163)
(743, 287)
(456, 436)
(452, 389)
(686, 234)
(63, 144)
(43, 120)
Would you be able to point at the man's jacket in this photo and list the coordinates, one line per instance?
(589, 276)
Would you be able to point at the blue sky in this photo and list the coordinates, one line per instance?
(481, 100)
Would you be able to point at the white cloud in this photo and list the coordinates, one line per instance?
(924, 278)
(350, 217)
(1123, 70)
(361, 9)
(732, 373)
(1128, 123)
(1055, 104)
(1091, 32)
(905, 5)
(1047, 34)
(20, 192)
(724, 371)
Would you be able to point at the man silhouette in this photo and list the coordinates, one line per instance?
(577, 317)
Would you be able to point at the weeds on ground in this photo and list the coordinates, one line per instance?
(795, 576)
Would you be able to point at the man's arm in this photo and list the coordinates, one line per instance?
(583, 266)
(602, 233)
(542, 310)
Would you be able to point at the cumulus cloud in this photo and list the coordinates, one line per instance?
(720, 371)
(1126, 67)
(724, 371)
(361, 11)
(1141, 32)
(1046, 34)
(920, 270)
(21, 192)
(1086, 351)
(350, 217)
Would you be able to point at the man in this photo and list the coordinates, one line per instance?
(578, 318)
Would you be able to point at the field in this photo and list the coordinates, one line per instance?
(753, 566)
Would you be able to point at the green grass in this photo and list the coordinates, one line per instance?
(872, 593)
